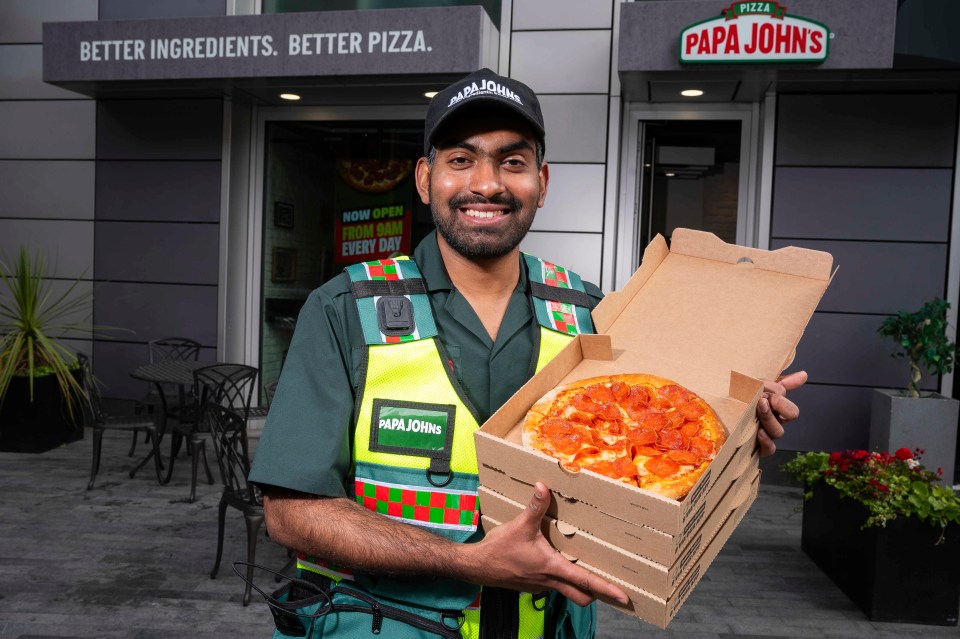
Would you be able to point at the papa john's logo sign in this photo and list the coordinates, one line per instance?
(755, 32)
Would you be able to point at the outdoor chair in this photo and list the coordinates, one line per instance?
(165, 348)
(229, 385)
(261, 411)
(228, 434)
(100, 421)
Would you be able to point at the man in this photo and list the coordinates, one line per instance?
(448, 337)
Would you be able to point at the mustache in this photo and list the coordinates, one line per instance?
(500, 199)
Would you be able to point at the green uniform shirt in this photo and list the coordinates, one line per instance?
(306, 441)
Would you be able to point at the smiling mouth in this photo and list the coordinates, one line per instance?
(483, 215)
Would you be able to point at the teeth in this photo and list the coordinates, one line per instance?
(482, 214)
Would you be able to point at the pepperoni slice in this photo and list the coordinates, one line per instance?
(662, 467)
(691, 410)
(555, 426)
(642, 437)
(624, 467)
(620, 391)
(609, 412)
(670, 438)
(690, 428)
(674, 394)
(568, 443)
(639, 394)
(702, 447)
(603, 467)
(683, 457)
(609, 427)
(584, 403)
(652, 421)
(581, 418)
(647, 451)
(674, 419)
(600, 393)
(585, 455)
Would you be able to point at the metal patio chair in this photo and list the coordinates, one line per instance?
(165, 348)
(100, 421)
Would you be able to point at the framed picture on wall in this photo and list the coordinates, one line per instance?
(283, 215)
(284, 268)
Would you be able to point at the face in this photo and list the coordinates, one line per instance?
(484, 187)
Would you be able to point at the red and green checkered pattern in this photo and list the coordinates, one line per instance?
(563, 317)
(436, 508)
(554, 275)
(383, 269)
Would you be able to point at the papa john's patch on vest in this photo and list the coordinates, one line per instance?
(412, 428)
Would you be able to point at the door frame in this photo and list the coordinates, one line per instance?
(627, 249)
(250, 245)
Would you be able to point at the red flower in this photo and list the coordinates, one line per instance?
(904, 454)
(882, 488)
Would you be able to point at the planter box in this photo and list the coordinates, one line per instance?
(37, 426)
(894, 574)
(928, 422)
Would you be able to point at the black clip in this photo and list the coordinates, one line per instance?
(395, 315)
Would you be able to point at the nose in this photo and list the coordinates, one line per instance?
(485, 178)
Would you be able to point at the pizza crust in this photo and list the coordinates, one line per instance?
(604, 442)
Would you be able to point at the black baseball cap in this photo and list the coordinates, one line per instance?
(482, 87)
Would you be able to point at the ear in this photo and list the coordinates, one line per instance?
(544, 179)
(423, 180)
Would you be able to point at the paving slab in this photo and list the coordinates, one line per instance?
(131, 559)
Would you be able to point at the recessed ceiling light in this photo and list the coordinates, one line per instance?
(430, 94)
(691, 93)
(289, 96)
(670, 174)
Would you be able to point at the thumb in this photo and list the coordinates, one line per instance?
(533, 513)
(794, 380)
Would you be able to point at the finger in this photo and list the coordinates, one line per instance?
(783, 409)
(532, 515)
(767, 446)
(588, 585)
(768, 419)
(793, 380)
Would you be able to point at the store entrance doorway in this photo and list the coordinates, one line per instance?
(689, 177)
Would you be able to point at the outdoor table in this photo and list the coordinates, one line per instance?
(178, 372)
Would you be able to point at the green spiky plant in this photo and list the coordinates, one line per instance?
(32, 318)
(922, 340)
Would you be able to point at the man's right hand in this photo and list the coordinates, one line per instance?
(516, 555)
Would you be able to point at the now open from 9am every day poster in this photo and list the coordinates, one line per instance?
(374, 200)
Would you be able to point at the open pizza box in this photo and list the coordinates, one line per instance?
(716, 318)
(614, 559)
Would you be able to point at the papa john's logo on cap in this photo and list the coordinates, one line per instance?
(486, 87)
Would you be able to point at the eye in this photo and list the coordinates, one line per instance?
(515, 162)
(458, 161)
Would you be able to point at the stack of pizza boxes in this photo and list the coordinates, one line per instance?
(714, 317)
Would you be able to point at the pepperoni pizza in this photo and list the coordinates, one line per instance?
(374, 176)
(641, 429)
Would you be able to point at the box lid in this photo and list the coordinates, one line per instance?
(682, 312)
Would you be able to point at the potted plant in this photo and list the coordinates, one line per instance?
(911, 417)
(885, 530)
(40, 382)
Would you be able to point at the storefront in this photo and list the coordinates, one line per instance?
(213, 205)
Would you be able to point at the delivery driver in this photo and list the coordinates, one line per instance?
(367, 462)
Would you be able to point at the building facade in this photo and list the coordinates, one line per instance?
(147, 149)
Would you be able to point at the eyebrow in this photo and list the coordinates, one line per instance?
(503, 150)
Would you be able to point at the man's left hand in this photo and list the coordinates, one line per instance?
(774, 409)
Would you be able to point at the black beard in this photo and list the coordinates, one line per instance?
(482, 243)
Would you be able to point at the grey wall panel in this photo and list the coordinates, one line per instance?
(866, 130)
(159, 191)
(181, 253)
(576, 127)
(66, 245)
(21, 75)
(22, 20)
(67, 126)
(47, 188)
(874, 204)
(831, 418)
(152, 311)
(113, 361)
(137, 9)
(880, 277)
(839, 348)
(583, 55)
(562, 14)
(159, 129)
(574, 199)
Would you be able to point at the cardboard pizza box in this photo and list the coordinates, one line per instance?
(659, 610)
(628, 563)
(715, 317)
(654, 545)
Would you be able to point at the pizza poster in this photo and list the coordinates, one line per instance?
(373, 200)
